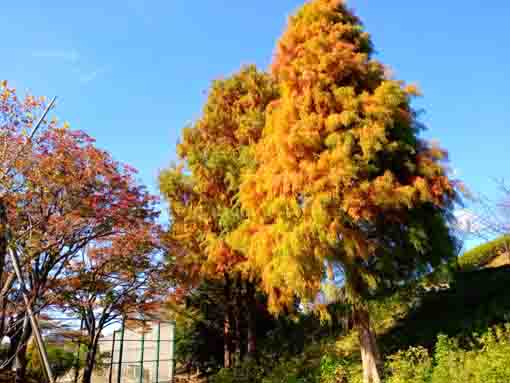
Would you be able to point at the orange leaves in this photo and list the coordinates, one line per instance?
(342, 129)
(323, 158)
(223, 259)
(64, 195)
(217, 152)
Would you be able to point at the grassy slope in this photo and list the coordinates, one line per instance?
(475, 300)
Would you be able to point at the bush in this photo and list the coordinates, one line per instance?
(485, 360)
(289, 370)
(247, 372)
(474, 258)
(339, 370)
(61, 361)
(412, 365)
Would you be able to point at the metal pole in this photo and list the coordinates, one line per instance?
(33, 320)
(42, 117)
(121, 350)
(158, 337)
(111, 358)
(141, 352)
(32, 134)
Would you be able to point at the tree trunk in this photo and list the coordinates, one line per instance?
(3, 303)
(3, 237)
(21, 355)
(227, 328)
(252, 324)
(370, 356)
(90, 362)
(21, 364)
(3, 259)
(236, 312)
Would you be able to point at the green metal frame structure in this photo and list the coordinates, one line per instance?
(119, 342)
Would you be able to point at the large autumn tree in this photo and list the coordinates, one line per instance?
(202, 192)
(59, 193)
(342, 178)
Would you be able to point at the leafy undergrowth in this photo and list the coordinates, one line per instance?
(456, 334)
(475, 301)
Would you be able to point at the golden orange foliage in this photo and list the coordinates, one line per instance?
(339, 165)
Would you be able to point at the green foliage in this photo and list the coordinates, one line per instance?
(474, 302)
(199, 339)
(338, 370)
(420, 345)
(412, 365)
(61, 360)
(476, 257)
(484, 360)
(287, 371)
(247, 372)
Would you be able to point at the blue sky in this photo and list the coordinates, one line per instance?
(133, 73)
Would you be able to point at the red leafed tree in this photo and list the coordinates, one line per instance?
(59, 194)
(112, 279)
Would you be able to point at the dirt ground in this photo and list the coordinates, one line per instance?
(8, 377)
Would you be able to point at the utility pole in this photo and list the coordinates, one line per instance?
(30, 312)
(14, 256)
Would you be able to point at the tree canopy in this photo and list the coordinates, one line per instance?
(341, 174)
(203, 195)
(202, 190)
(59, 195)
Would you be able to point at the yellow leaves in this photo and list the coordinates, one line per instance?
(422, 188)
(332, 140)
(348, 118)
(320, 215)
(389, 95)
(372, 138)
(412, 90)
(334, 152)
(406, 195)
(334, 122)
(346, 97)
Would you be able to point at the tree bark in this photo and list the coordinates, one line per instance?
(90, 362)
(236, 313)
(3, 259)
(21, 355)
(252, 324)
(3, 236)
(21, 365)
(370, 356)
(227, 327)
(3, 303)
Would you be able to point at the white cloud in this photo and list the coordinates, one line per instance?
(467, 221)
(71, 56)
(87, 77)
